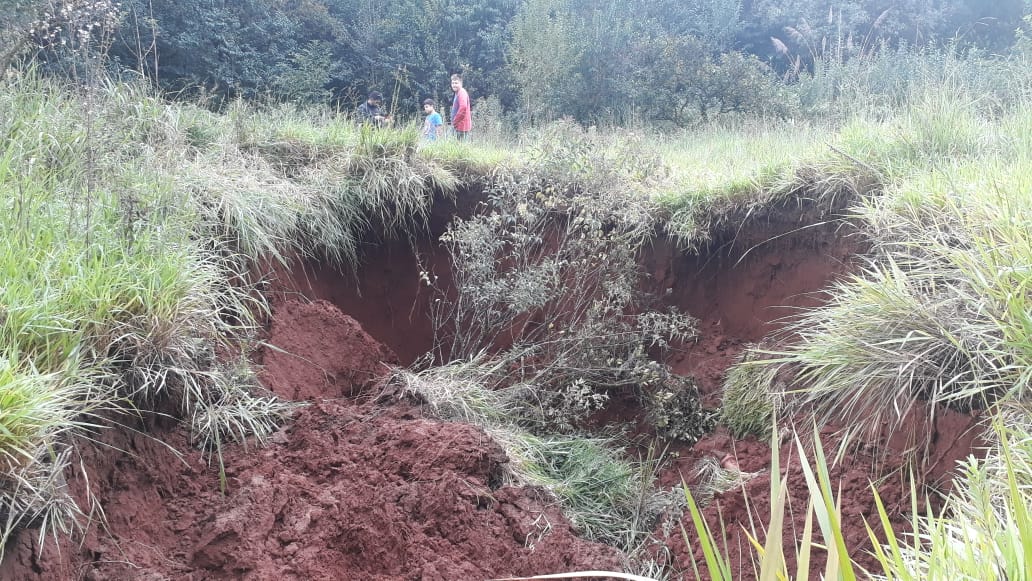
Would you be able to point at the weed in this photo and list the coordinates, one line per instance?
(752, 396)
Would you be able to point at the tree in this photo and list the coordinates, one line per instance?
(545, 55)
(713, 23)
(686, 82)
(228, 46)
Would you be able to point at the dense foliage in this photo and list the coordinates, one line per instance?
(541, 59)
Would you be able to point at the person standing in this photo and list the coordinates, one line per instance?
(461, 118)
(370, 111)
(434, 124)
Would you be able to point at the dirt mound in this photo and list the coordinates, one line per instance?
(318, 352)
(392, 496)
(345, 491)
(386, 295)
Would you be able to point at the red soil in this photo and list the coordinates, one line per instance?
(742, 292)
(318, 351)
(747, 286)
(347, 490)
(386, 296)
(350, 490)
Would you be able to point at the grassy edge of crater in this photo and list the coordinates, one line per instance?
(938, 315)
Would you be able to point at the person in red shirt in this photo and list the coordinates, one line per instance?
(461, 119)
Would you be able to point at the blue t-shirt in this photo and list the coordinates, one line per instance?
(433, 121)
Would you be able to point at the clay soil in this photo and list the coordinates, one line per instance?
(348, 490)
(355, 489)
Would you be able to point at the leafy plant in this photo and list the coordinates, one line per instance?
(556, 276)
(676, 412)
(771, 563)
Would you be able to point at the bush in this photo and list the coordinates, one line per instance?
(555, 274)
(674, 409)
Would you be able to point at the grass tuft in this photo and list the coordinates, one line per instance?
(752, 396)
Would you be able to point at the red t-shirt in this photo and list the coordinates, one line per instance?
(461, 119)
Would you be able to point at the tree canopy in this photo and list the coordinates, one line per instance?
(589, 59)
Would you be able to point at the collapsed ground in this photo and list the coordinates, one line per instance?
(366, 487)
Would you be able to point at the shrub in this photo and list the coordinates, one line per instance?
(555, 274)
(674, 409)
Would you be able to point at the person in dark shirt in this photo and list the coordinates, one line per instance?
(370, 111)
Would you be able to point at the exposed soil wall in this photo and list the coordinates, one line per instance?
(749, 281)
(385, 296)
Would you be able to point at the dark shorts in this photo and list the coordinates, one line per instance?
(461, 135)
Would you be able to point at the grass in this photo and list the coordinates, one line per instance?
(602, 493)
(276, 182)
(722, 176)
(940, 313)
(734, 159)
(457, 391)
(752, 397)
(111, 297)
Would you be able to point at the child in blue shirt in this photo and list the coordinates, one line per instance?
(433, 127)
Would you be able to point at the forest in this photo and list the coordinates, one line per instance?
(535, 60)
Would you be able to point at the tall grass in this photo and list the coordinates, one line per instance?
(941, 312)
(883, 82)
(276, 182)
(108, 298)
(766, 533)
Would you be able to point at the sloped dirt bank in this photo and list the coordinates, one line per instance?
(749, 281)
(747, 286)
